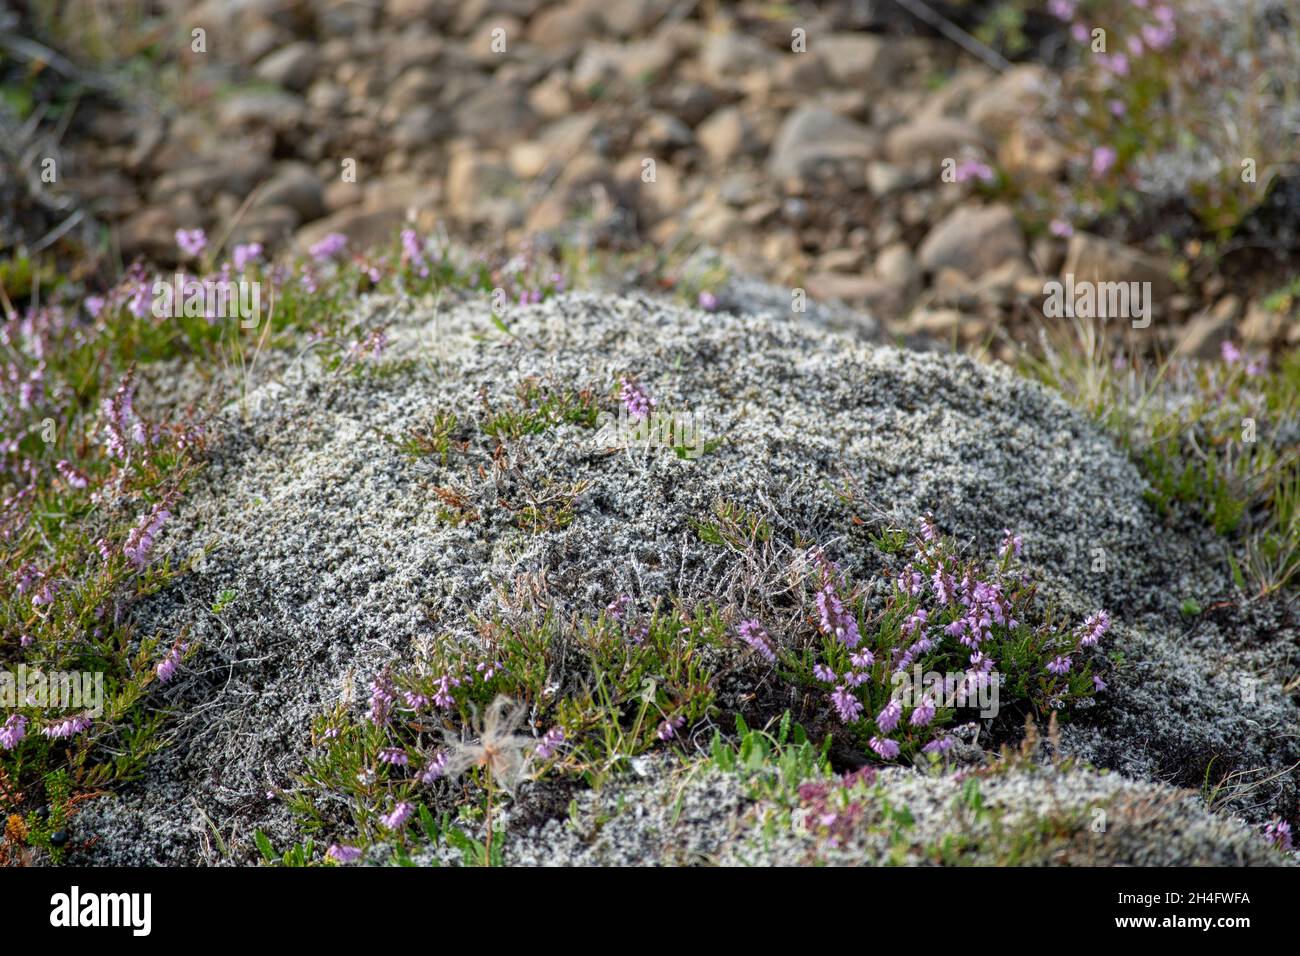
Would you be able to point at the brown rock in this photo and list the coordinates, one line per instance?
(1010, 98)
(1095, 259)
(295, 186)
(862, 61)
(973, 239)
(931, 140)
(363, 227)
(1261, 326)
(1204, 334)
(291, 66)
(812, 136)
(725, 135)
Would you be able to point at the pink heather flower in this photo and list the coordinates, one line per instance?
(1118, 108)
(888, 718)
(140, 541)
(381, 700)
(14, 730)
(1103, 158)
(1011, 544)
(1097, 683)
(863, 658)
(1158, 37)
(911, 582)
(836, 619)
(1134, 45)
(1095, 627)
(1231, 354)
(846, 704)
(329, 247)
(928, 531)
(27, 577)
(973, 169)
(824, 673)
(395, 756)
(68, 727)
(668, 729)
(616, 607)
(94, 305)
(166, 668)
(434, 769)
(1117, 63)
(25, 641)
(886, 748)
(1278, 832)
(708, 301)
(192, 242)
(914, 621)
(752, 633)
(1079, 32)
(343, 854)
(416, 702)
(1061, 9)
(397, 819)
(1059, 666)
(487, 669)
(442, 695)
(941, 745)
(73, 477)
(549, 743)
(635, 399)
(413, 253)
(923, 714)
(1060, 228)
(246, 253)
(944, 586)
(119, 416)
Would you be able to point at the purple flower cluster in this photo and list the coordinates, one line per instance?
(972, 613)
(166, 668)
(413, 253)
(140, 541)
(382, 697)
(636, 400)
(120, 423)
(550, 742)
(394, 756)
(753, 634)
(328, 247)
(191, 242)
(67, 727)
(434, 769)
(340, 853)
(833, 617)
(14, 730)
(245, 254)
(1094, 629)
(1278, 832)
(616, 607)
(668, 729)
(399, 816)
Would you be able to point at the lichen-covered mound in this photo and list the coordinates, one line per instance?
(345, 555)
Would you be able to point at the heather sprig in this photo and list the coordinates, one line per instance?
(648, 683)
(946, 614)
